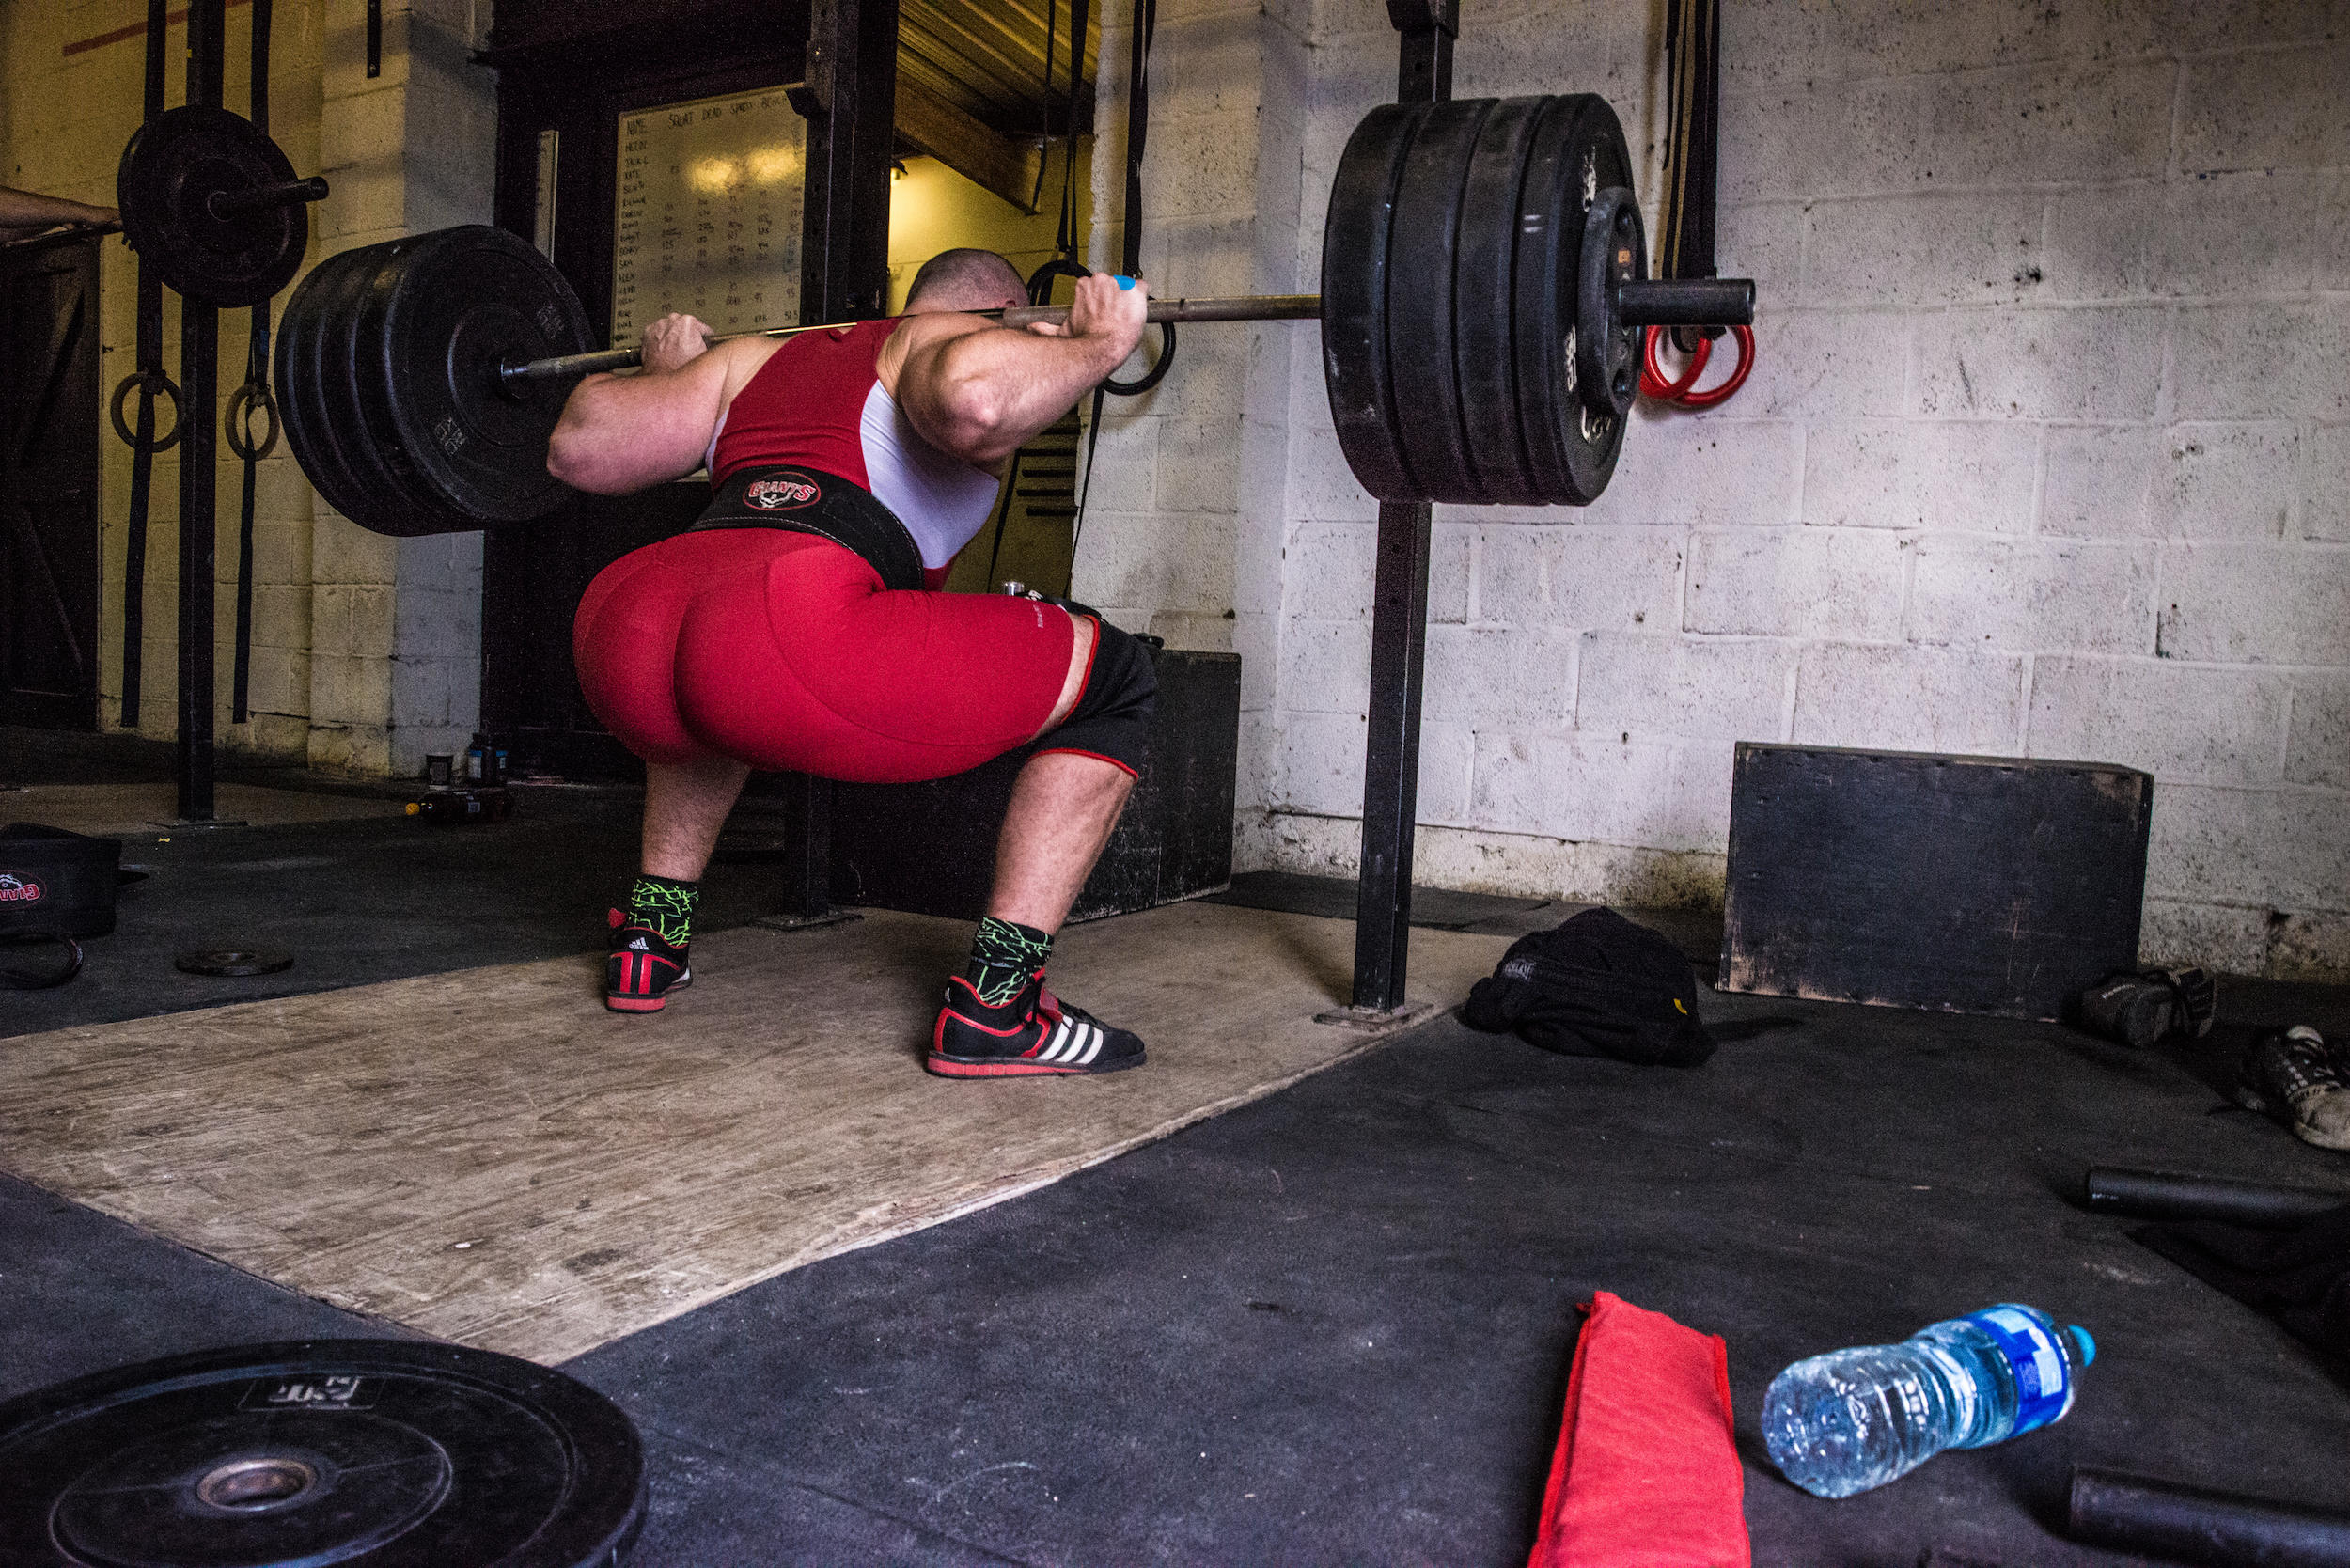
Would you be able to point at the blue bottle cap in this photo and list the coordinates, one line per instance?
(2080, 1338)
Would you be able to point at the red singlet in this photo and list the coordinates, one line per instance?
(784, 651)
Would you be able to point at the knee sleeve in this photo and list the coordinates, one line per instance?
(1112, 718)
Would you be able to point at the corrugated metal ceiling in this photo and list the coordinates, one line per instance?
(987, 58)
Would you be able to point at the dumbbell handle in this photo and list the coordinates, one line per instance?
(1665, 302)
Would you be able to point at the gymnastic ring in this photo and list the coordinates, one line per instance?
(150, 382)
(35, 980)
(1155, 374)
(1708, 397)
(237, 427)
(1654, 381)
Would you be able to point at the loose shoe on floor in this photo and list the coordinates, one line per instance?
(2292, 1076)
(1035, 1034)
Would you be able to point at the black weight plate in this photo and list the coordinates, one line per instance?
(170, 171)
(1483, 304)
(467, 300)
(1354, 262)
(1422, 253)
(396, 498)
(375, 1453)
(312, 431)
(1615, 250)
(233, 961)
(1578, 152)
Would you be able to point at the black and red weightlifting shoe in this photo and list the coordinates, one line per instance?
(1035, 1034)
(641, 970)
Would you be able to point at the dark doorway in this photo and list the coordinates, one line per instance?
(49, 414)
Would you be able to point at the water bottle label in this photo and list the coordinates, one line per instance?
(2044, 1378)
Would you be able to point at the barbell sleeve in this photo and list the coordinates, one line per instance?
(227, 204)
(1724, 301)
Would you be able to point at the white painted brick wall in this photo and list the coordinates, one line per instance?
(2047, 452)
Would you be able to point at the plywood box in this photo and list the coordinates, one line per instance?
(1993, 885)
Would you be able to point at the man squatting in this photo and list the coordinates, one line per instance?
(798, 625)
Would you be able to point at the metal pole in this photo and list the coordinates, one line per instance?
(1398, 632)
(199, 353)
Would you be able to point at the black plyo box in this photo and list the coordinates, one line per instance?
(929, 849)
(1991, 884)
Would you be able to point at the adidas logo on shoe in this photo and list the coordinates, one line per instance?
(2292, 1076)
(641, 970)
(1035, 1034)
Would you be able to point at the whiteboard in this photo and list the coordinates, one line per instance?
(708, 215)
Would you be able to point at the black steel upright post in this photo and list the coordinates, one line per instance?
(849, 99)
(1398, 628)
(199, 355)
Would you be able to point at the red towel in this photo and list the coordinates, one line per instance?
(1646, 1475)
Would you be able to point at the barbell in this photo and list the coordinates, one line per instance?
(212, 204)
(1484, 292)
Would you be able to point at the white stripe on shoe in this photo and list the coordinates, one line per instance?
(1093, 1043)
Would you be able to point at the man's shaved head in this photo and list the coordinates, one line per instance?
(966, 279)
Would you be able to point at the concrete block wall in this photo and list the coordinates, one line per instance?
(366, 650)
(2046, 454)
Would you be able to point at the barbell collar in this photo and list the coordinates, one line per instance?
(1723, 302)
(225, 205)
(1251, 307)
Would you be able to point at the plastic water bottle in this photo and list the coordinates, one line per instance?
(1851, 1420)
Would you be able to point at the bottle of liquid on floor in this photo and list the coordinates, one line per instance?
(1852, 1420)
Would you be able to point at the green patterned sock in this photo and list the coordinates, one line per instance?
(666, 904)
(1003, 955)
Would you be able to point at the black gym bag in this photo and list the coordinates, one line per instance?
(54, 881)
(1598, 985)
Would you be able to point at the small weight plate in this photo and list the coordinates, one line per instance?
(1354, 261)
(1422, 255)
(1615, 249)
(468, 300)
(1578, 152)
(367, 1453)
(233, 961)
(169, 172)
(1485, 303)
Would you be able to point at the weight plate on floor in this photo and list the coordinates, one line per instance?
(365, 1453)
(1578, 152)
(233, 961)
(434, 332)
(170, 170)
(1422, 255)
(1483, 306)
(1354, 265)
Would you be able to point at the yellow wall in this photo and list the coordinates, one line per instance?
(64, 120)
(934, 209)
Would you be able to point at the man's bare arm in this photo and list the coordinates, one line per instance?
(625, 433)
(980, 392)
(20, 210)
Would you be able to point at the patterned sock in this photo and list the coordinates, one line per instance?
(666, 906)
(1003, 955)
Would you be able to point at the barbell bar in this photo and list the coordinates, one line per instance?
(212, 205)
(1483, 292)
(1705, 301)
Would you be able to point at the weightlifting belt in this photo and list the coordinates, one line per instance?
(807, 501)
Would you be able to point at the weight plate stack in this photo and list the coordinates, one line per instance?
(1354, 265)
(370, 1454)
(433, 331)
(1422, 253)
(1483, 306)
(1578, 152)
(171, 170)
